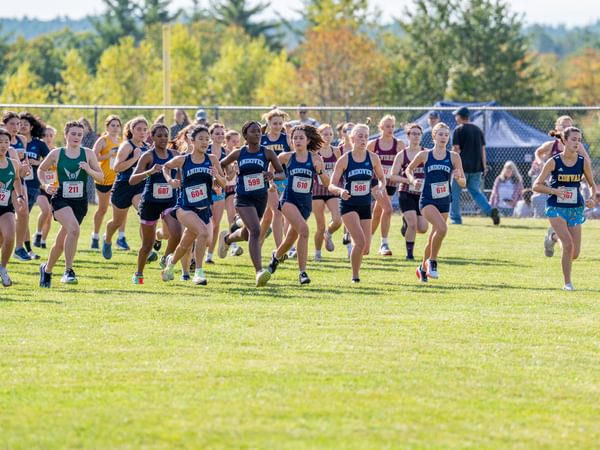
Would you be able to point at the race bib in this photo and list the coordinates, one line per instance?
(72, 189)
(254, 182)
(196, 193)
(570, 197)
(50, 177)
(416, 189)
(4, 197)
(440, 190)
(162, 191)
(358, 188)
(113, 158)
(387, 171)
(301, 185)
(30, 176)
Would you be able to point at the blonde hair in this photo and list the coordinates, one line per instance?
(275, 112)
(358, 126)
(437, 126)
(561, 119)
(323, 127)
(516, 175)
(385, 118)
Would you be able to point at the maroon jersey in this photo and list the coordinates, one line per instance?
(328, 166)
(555, 149)
(387, 159)
(419, 173)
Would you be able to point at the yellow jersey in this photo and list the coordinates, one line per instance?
(107, 165)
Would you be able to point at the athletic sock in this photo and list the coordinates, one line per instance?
(27, 246)
(410, 246)
(384, 241)
(209, 255)
(121, 234)
(95, 236)
(317, 252)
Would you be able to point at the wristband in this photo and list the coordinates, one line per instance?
(20, 196)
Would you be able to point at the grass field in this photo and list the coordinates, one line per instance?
(492, 355)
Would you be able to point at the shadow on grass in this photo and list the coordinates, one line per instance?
(15, 298)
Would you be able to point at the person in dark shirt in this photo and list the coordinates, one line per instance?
(469, 142)
(432, 119)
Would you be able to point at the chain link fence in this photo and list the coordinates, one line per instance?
(512, 133)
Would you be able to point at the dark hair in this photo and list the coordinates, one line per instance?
(247, 125)
(410, 126)
(37, 126)
(564, 135)
(158, 126)
(9, 115)
(215, 125)
(527, 194)
(129, 126)
(186, 119)
(73, 124)
(198, 129)
(110, 118)
(315, 141)
(4, 132)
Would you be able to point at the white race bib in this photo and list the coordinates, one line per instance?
(4, 197)
(387, 171)
(570, 196)
(196, 193)
(301, 185)
(358, 188)
(30, 176)
(72, 189)
(50, 177)
(416, 189)
(254, 182)
(440, 190)
(162, 191)
(113, 158)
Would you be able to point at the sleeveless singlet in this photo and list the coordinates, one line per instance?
(357, 178)
(569, 178)
(250, 180)
(71, 178)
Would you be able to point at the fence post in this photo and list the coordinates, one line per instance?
(347, 114)
(216, 113)
(95, 118)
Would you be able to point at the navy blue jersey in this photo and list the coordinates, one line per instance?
(299, 182)
(279, 145)
(123, 177)
(36, 151)
(222, 155)
(251, 166)
(568, 178)
(357, 182)
(196, 182)
(156, 188)
(438, 173)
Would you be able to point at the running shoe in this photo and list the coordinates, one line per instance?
(69, 277)
(37, 240)
(421, 274)
(45, 278)
(384, 250)
(223, 246)
(549, 243)
(432, 269)
(43, 245)
(185, 277)
(208, 260)
(137, 278)
(355, 280)
(404, 226)
(495, 216)
(236, 225)
(95, 244)
(568, 287)
(22, 255)
(161, 263)
(157, 245)
(6, 281)
(273, 264)
(236, 251)
(106, 250)
(346, 238)
(167, 273)
(152, 256)
(292, 253)
(199, 277)
(410, 258)
(262, 278)
(317, 258)
(32, 255)
(303, 277)
(122, 243)
(329, 245)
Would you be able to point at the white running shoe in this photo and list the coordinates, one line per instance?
(432, 269)
(292, 253)
(199, 277)
(6, 281)
(223, 246)
(329, 245)
(262, 277)
(568, 287)
(549, 243)
(167, 273)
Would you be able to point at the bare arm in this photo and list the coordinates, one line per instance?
(218, 173)
(459, 174)
(92, 167)
(320, 168)
(340, 166)
(142, 171)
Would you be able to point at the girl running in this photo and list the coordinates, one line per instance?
(386, 147)
(303, 165)
(158, 198)
(232, 141)
(44, 222)
(124, 195)
(251, 194)
(322, 198)
(412, 220)
(199, 170)
(10, 181)
(216, 147)
(358, 167)
(69, 201)
(565, 204)
(440, 165)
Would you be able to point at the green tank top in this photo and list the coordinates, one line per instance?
(7, 178)
(71, 178)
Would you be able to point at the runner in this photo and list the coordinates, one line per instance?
(440, 166)
(69, 201)
(303, 165)
(251, 195)
(216, 147)
(565, 204)
(413, 221)
(358, 167)
(232, 141)
(44, 222)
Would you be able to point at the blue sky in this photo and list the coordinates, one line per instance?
(576, 12)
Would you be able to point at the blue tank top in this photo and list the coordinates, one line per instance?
(219, 157)
(300, 180)
(123, 177)
(196, 183)
(357, 182)
(568, 178)
(436, 187)
(279, 145)
(250, 180)
(156, 188)
(36, 151)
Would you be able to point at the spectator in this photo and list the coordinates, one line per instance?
(432, 119)
(469, 143)
(303, 118)
(524, 207)
(507, 190)
(201, 118)
(181, 121)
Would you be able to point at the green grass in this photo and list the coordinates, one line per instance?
(492, 355)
